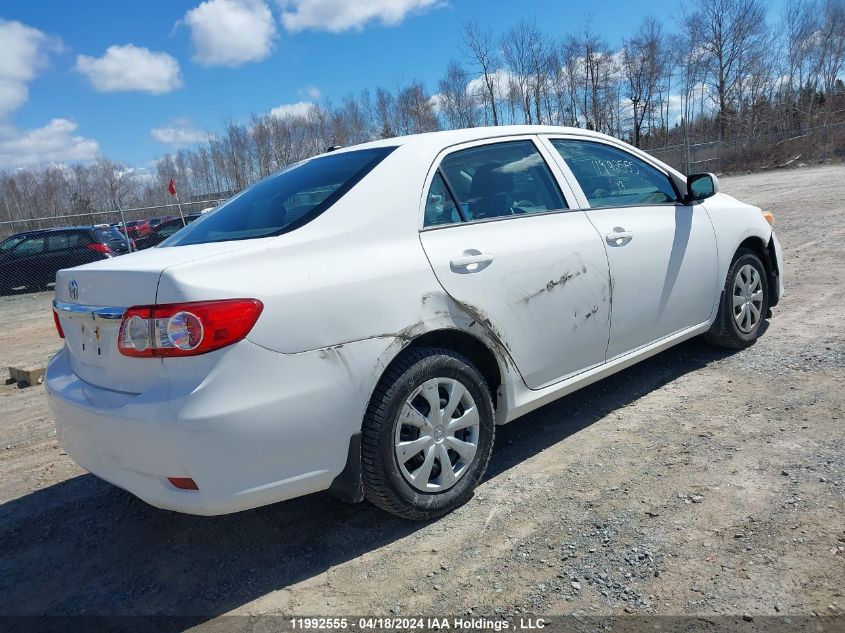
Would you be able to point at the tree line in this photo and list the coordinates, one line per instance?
(726, 69)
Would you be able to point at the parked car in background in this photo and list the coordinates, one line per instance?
(135, 228)
(163, 231)
(361, 321)
(29, 261)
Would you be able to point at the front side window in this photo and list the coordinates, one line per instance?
(30, 246)
(501, 179)
(10, 243)
(611, 177)
(284, 201)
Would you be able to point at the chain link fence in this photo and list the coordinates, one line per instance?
(32, 250)
(765, 151)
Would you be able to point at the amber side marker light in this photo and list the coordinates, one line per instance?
(183, 483)
(770, 218)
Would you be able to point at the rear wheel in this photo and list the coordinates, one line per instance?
(428, 434)
(744, 304)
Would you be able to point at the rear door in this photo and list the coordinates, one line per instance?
(66, 249)
(504, 241)
(24, 265)
(662, 253)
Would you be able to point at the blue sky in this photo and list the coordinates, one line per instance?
(181, 67)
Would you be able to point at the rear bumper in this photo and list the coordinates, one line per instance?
(260, 427)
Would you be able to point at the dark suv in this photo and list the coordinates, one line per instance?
(29, 261)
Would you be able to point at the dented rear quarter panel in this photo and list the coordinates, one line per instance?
(355, 273)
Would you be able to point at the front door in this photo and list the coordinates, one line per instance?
(662, 253)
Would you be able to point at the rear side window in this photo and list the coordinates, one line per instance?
(501, 179)
(62, 241)
(439, 205)
(110, 234)
(284, 201)
(611, 177)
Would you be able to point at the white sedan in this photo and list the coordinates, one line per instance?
(362, 320)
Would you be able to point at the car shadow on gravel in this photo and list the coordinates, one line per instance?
(558, 420)
(85, 547)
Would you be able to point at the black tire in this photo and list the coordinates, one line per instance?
(725, 331)
(384, 484)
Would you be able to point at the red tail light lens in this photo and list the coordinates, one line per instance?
(101, 248)
(186, 329)
(58, 324)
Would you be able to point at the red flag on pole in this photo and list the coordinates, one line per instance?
(172, 187)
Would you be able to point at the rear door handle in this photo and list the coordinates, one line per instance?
(471, 259)
(619, 235)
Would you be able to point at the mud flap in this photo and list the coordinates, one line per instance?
(349, 485)
(718, 326)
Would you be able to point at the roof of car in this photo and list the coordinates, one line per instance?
(445, 138)
(432, 143)
(56, 229)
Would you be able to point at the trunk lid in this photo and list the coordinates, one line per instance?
(92, 299)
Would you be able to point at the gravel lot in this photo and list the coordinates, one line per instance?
(698, 482)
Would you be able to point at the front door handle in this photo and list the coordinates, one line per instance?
(619, 237)
(471, 261)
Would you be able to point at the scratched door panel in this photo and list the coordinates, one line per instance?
(546, 291)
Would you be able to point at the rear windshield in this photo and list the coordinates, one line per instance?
(284, 201)
(110, 234)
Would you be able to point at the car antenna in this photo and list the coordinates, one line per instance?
(332, 148)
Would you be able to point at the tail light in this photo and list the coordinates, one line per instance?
(101, 248)
(186, 329)
(58, 324)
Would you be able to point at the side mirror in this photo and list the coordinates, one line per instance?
(701, 186)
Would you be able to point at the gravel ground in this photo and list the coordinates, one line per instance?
(698, 482)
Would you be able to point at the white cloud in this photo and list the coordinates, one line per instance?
(311, 91)
(342, 15)
(436, 101)
(501, 82)
(130, 67)
(231, 32)
(289, 110)
(54, 142)
(180, 133)
(23, 53)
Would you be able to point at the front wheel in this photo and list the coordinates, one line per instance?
(428, 434)
(744, 304)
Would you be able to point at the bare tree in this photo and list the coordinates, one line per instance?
(730, 32)
(115, 182)
(481, 49)
(457, 104)
(415, 110)
(643, 62)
